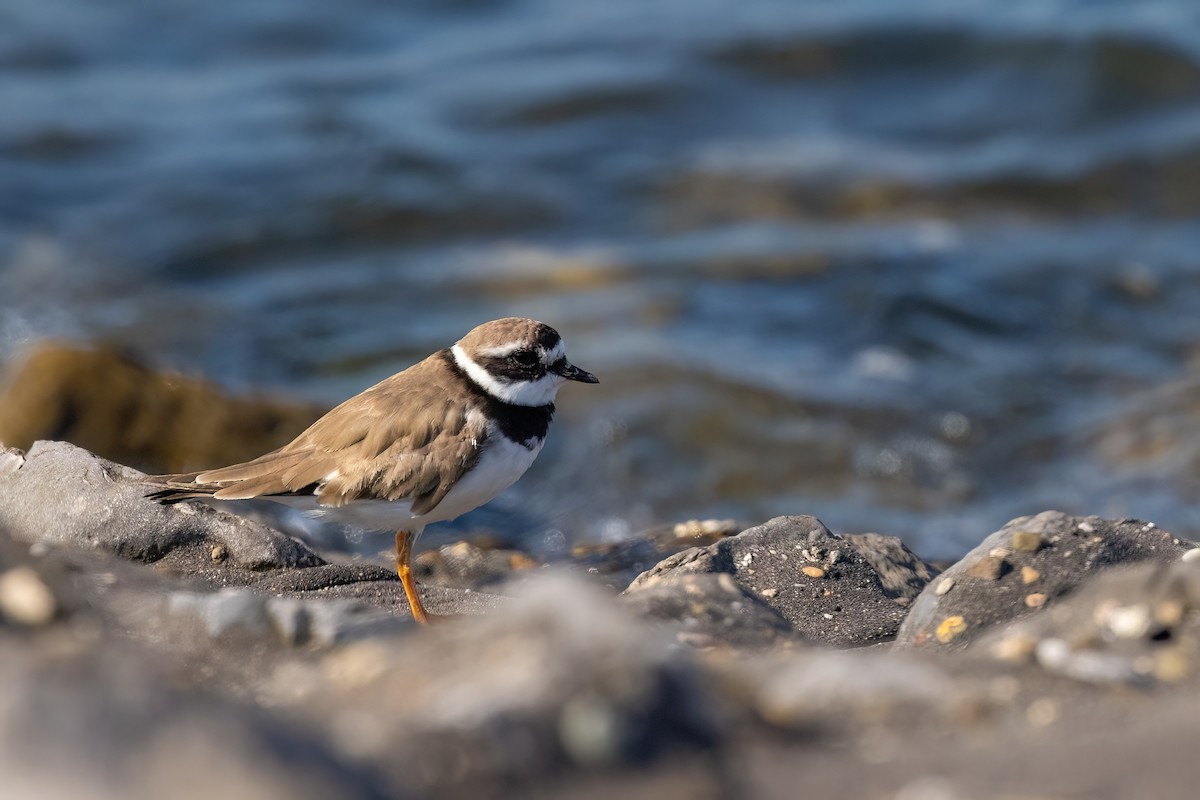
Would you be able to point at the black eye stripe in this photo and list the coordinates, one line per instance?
(505, 368)
(525, 357)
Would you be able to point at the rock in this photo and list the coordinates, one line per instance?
(24, 598)
(1133, 624)
(846, 605)
(242, 613)
(831, 688)
(709, 610)
(616, 564)
(97, 723)
(564, 678)
(84, 711)
(108, 402)
(902, 573)
(465, 565)
(704, 531)
(1057, 551)
(65, 495)
(989, 568)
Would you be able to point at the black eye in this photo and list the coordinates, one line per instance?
(526, 358)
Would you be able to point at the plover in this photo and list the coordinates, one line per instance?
(426, 445)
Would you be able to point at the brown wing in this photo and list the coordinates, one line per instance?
(366, 448)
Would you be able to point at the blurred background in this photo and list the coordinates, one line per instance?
(914, 268)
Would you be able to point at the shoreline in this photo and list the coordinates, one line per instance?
(1057, 658)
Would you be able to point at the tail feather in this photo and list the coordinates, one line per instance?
(177, 488)
(178, 494)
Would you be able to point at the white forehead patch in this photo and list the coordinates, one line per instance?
(504, 350)
(555, 353)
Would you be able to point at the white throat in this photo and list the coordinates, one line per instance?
(520, 393)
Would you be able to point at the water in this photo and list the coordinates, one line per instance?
(915, 269)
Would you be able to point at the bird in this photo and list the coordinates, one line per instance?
(426, 445)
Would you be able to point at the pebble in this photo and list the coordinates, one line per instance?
(1191, 555)
(1169, 613)
(1035, 600)
(1172, 665)
(1027, 541)
(1029, 575)
(697, 528)
(1017, 648)
(950, 627)
(25, 599)
(219, 553)
(989, 568)
(520, 561)
(944, 587)
(770, 594)
(1129, 622)
(1042, 712)
(813, 572)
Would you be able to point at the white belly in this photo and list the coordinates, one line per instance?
(499, 466)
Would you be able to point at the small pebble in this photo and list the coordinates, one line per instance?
(1027, 541)
(950, 627)
(219, 553)
(697, 528)
(1029, 575)
(1192, 555)
(1042, 712)
(944, 586)
(770, 594)
(1086, 527)
(989, 568)
(1000, 552)
(1129, 622)
(25, 599)
(1035, 600)
(1015, 648)
(1169, 613)
(813, 572)
(518, 561)
(1172, 665)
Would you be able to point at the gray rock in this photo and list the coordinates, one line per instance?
(245, 614)
(97, 723)
(1026, 566)
(227, 613)
(819, 582)
(84, 711)
(464, 565)
(708, 610)
(902, 573)
(564, 678)
(62, 494)
(1131, 625)
(816, 689)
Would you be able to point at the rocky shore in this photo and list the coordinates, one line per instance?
(182, 651)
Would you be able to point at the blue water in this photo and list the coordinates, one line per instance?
(915, 268)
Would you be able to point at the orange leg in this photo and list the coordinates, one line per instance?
(404, 570)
